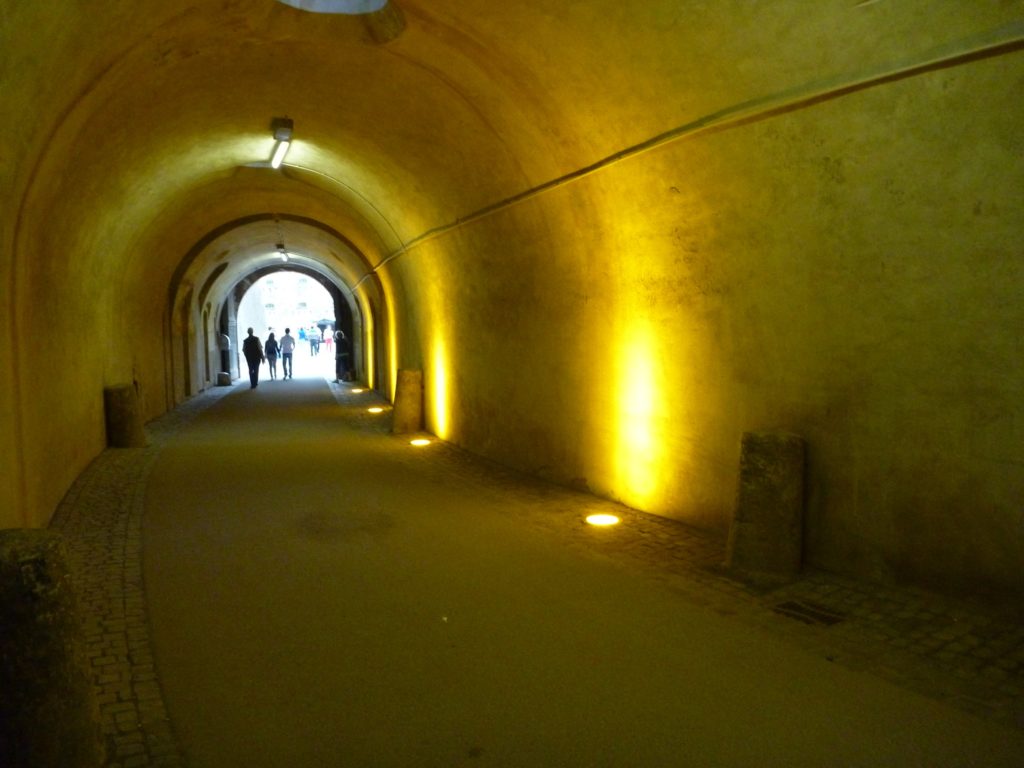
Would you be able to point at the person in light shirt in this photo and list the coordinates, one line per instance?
(287, 345)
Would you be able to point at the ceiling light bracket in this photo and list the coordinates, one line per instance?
(282, 128)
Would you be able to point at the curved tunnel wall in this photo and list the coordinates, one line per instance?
(613, 237)
(766, 287)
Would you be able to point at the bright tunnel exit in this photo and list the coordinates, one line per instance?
(282, 300)
(293, 301)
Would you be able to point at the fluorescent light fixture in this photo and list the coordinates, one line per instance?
(280, 150)
(282, 127)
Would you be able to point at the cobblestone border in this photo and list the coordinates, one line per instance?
(100, 518)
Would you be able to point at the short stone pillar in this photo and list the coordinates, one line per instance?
(407, 415)
(223, 379)
(124, 417)
(48, 710)
(766, 536)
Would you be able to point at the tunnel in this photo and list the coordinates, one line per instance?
(612, 238)
(208, 286)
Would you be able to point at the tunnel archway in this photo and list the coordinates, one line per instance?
(229, 259)
(346, 315)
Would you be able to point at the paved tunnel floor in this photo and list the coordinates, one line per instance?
(313, 591)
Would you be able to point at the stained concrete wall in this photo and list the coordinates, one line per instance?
(614, 237)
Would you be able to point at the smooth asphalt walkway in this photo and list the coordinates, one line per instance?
(317, 592)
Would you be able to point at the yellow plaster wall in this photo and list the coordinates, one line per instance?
(849, 270)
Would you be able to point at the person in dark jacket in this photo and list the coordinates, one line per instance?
(253, 351)
(341, 357)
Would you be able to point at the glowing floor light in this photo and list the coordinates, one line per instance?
(357, 391)
(375, 409)
(602, 520)
(419, 442)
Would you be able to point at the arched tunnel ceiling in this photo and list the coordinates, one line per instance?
(155, 104)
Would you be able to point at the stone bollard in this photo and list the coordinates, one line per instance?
(766, 536)
(48, 710)
(124, 419)
(408, 411)
(223, 379)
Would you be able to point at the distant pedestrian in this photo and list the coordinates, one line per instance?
(271, 349)
(287, 347)
(314, 341)
(341, 357)
(253, 352)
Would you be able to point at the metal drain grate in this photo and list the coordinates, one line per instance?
(808, 613)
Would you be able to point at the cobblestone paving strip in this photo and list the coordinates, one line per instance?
(101, 520)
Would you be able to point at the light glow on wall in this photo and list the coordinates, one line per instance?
(439, 386)
(369, 345)
(639, 454)
(392, 353)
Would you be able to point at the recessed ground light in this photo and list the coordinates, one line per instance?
(356, 391)
(602, 519)
(419, 442)
(375, 409)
